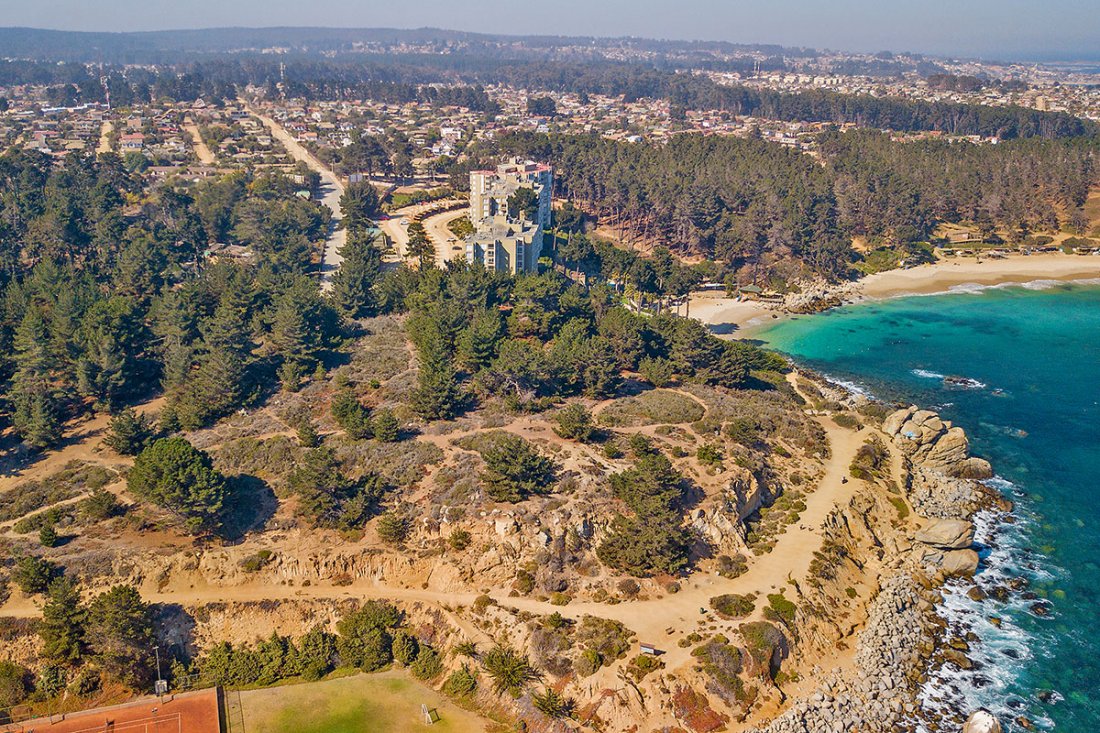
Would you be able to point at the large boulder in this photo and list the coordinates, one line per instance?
(982, 721)
(928, 440)
(947, 534)
(953, 563)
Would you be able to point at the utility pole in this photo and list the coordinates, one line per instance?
(161, 686)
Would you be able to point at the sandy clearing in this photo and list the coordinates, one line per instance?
(202, 150)
(105, 131)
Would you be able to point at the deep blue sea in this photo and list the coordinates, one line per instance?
(1033, 410)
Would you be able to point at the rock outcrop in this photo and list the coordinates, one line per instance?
(928, 440)
(947, 534)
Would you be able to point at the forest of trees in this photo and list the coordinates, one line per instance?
(105, 301)
(768, 211)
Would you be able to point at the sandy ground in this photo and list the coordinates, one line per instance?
(729, 316)
(952, 273)
(104, 145)
(202, 150)
(331, 190)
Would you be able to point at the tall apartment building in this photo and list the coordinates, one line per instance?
(501, 242)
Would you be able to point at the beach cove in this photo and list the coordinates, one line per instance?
(732, 316)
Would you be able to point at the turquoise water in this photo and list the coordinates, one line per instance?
(1032, 409)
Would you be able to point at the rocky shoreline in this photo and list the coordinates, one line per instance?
(905, 637)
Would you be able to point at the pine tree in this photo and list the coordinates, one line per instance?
(128, 433)
(350, 415)
(176, 476)
(436, 396)
(36, 404)
(352, 285)
(63, 620)
(386, 427)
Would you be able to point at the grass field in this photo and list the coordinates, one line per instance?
(387, 702)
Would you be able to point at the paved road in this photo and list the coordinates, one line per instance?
(439, 234)
(330, 191)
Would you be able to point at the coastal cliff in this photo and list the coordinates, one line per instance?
(904, 637)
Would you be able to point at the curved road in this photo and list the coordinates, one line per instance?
(330, 191)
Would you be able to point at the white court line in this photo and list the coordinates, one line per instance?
(131, 726)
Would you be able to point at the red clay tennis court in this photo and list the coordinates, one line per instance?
(190, 712)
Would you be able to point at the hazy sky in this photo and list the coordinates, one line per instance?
(987, 28)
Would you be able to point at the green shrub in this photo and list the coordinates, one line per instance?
(780, 609)
(34, 574)
(847, 420)
(461, 683)
(732, 605)
(459, 539)
(100, 505)
(428, 664)
(510, 671)
(405, 647)
(15, 685)
(393, 528)
(642, 665)
(732, 567)
(574, 422)
(709, 455)
(514, 469)
(256, 561)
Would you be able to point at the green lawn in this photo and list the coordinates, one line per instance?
(387, 702)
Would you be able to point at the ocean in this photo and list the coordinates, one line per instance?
(1030, 402)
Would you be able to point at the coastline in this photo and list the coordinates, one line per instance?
(731, 317)
(913, 642)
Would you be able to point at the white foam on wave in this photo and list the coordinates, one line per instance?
(850, 386)
(1001, 651)
(979, 288)
(925, 374)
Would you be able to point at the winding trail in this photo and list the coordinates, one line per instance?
(661, 621)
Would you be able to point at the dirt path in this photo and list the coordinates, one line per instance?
(202, 150)
(330, 192)
(105, 131)
(661, 621)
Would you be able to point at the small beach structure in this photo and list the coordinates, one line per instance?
(749, 292)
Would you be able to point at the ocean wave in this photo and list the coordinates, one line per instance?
(925, 374)
(1003, 648)
(850, 386)
(1038, 284)
(979, 288)
(963, 382)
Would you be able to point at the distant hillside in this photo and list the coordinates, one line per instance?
(165, 46)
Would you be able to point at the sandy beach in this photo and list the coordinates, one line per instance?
(729, 316)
